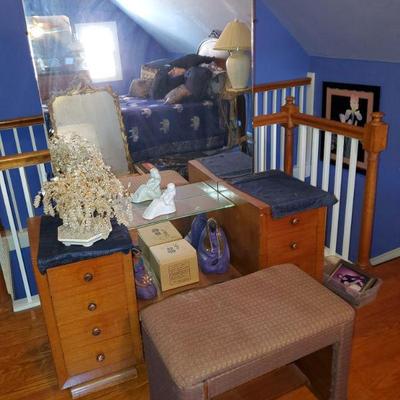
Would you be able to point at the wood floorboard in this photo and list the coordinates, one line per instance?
(27, 371)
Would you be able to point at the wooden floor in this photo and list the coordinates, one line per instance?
(27, 371)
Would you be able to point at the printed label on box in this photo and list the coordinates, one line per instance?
(179, 273)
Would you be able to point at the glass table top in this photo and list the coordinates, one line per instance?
(190, 200)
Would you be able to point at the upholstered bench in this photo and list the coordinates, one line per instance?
(202, 343)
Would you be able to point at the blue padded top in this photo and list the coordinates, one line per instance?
(229, 164)
(283, 193)
(53, 253)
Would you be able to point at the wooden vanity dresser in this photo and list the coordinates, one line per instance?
(91, 317)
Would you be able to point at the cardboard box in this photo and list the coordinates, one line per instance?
(174, 264)
(156, 234)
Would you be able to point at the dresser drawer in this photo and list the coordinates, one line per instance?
(87, 275)
(93, 329)
(291, 246)
(99, 355)
(295, 222)
(70, 307)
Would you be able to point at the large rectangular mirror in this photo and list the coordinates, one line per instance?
(166, 62)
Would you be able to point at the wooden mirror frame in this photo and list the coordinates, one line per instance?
(85, 89)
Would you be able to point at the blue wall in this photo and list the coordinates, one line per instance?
(387, 76)
(278, 56)
(136, 45)
(18, 89)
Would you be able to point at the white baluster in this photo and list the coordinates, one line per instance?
(46, 134)
(301, 99)
(350, 198)
(301, 160)
(314, 157)
(327, 161)
(337, 192)
(40, 167)
(282, 149)
(14, 234)
(293, 93)
(11, 188)
(265, 103)
(24, 181)
(274, 131)
(255, 104)
(256, 149)
(265, 132)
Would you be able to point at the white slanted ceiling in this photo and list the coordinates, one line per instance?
(180, 25)
(350, 29)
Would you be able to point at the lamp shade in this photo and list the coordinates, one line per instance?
(235, 36)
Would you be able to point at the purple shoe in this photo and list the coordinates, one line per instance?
(213, 251)
(145, 287)
(198, 224)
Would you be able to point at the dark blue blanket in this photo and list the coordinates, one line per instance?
(283, 193)
(52, 252)
(155, 129)
(229, 164)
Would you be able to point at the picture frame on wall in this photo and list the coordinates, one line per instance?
(352, 104)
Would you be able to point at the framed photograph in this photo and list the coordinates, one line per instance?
(350, 104)
(351, 278)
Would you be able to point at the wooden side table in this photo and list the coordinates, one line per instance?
(235, 131)
(91, 317)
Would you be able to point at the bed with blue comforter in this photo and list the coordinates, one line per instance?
(155, 129)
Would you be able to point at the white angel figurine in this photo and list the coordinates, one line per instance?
(164, 205)
(149, 190)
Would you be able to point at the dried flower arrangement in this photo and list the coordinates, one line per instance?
(84, 192)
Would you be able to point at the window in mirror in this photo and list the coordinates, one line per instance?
(53, 45)
(101, 51)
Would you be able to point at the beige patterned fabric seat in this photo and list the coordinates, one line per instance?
(202, 343)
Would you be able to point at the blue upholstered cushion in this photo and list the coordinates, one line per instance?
(52, 252)
(283, 193)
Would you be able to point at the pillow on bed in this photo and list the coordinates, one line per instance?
(140, 88)
(191, 60)
(197, 80)
(175, 96)
(217, 84)
(163, 83)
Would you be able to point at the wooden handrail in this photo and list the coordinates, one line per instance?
(329, 125)
(263, 87)
(20, 122)
(270, 119)
(24, 159)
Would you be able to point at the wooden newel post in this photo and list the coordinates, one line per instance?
(290, 109)
(373, 144)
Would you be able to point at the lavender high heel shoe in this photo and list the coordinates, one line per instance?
(213, 251)
(145, 287)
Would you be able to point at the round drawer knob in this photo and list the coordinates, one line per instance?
(92, 306)
(96, 331)
(295, 221)
(88, 277)
(293, 245)
(100, 357)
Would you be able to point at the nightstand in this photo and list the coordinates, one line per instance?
(236, 130)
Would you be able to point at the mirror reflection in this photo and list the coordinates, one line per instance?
(180, 69)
